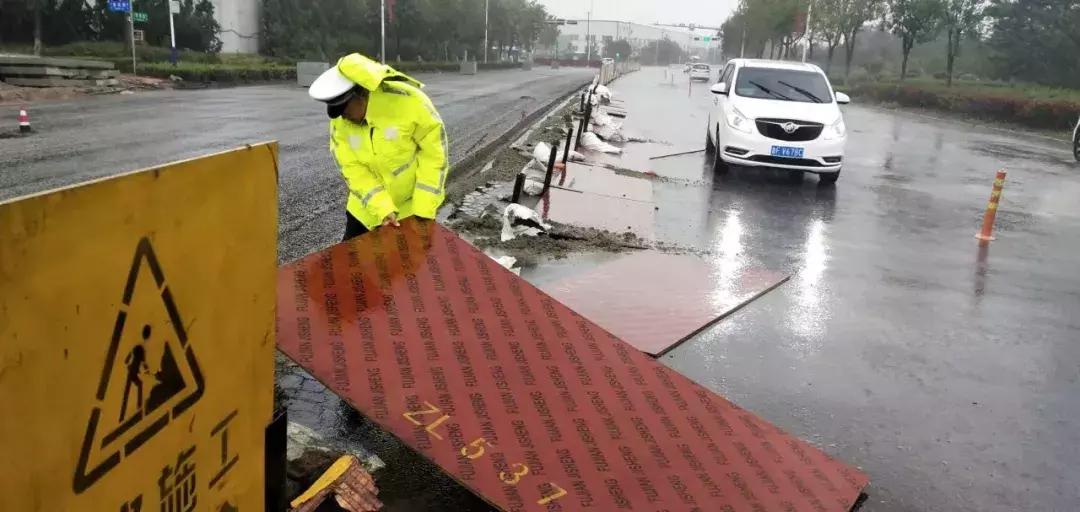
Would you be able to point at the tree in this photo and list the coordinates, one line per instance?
(853, 16)
(828, 25)
(1044, 28)
(961, 18)
(914, 21)
(620, 49)
(662, 52)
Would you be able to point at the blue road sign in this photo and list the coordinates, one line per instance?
(119, 5)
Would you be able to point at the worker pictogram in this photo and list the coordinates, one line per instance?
(150, 375)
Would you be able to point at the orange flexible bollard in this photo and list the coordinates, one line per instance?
(987, 232)
(24, 121)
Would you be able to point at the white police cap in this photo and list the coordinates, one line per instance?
(330, 86)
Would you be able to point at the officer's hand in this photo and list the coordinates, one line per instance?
(391, 220)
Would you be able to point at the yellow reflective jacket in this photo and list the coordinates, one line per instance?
(397, 160)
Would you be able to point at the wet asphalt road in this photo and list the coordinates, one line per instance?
(947, 373)
(95, 137)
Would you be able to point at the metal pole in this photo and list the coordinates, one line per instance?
(131, 18)
(569, 140)
(584, 123)
(807, 29)
(487, 5)
(172, 34)
(519, 185)
(382, 24)
(551, 165)
(588, 36)
(742, 48)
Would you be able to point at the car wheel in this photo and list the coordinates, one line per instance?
(828, 179)
(1076, 147)
(719, 166)
(710, 147)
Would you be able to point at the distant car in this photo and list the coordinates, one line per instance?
(700, 72)
(1076, 141)
(777, 114)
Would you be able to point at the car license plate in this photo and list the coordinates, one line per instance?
(787, 152)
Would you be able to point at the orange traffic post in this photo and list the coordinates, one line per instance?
(24, 121)
(987, 232)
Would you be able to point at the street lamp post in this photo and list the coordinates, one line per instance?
(174, 7)
(487, 6)
(588, 34)
(382, 31)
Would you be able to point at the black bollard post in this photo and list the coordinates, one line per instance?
(519, 185)
(551, 166)
(584, 123)
(569, 140)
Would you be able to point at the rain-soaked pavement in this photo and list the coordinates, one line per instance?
(947, 372)
(90, 138)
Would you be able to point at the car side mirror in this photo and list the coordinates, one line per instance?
(719, 88)
(842, 98)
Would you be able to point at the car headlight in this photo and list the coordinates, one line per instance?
(738, 121)
(836, 130)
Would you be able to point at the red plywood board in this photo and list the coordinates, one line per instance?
(608, 213)
(598, 180)
(654, 301)
(526, 403)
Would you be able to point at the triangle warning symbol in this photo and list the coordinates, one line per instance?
(150, 375)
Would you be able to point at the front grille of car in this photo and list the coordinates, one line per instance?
(802, 162)
(773, 129)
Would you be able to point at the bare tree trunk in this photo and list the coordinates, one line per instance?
(951, 50)
(828, 63)
(37, 27)
(810, 50)
(908, 43)
(849, 50)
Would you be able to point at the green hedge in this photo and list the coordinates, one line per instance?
(224, 73)
(1032, 107)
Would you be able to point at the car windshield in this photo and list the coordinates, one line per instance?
(782, 84)
(701, 67)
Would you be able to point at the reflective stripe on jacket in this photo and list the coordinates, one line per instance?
(397, 160)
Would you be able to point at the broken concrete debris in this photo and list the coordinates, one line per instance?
(521, 221)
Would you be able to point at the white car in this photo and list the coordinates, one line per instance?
(777, 114)
(700, 72)
(1076, 141)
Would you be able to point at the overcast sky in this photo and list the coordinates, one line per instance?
(701, 12)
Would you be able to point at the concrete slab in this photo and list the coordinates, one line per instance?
(61, 62)
(59, 82)
(589, 210)
(654, 301)
(598, 180)
(52, 71)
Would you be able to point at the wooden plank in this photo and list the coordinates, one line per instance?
(522, 400)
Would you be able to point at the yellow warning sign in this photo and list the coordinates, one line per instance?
(137, 339)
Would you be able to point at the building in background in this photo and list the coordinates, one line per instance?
(572, 36)
(239, 20)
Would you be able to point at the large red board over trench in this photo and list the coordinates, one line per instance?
(528, 404)
(655, 301)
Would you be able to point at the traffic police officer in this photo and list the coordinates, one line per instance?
(388, 140)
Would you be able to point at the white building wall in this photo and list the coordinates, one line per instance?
(239, 20)
(636, 34)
